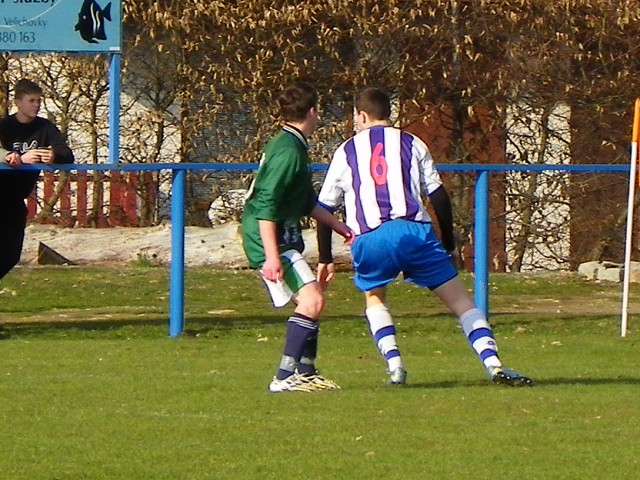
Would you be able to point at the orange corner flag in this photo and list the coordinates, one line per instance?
(634, 135)
(636, 122)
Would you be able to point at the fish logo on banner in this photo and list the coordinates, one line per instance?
(91, 21)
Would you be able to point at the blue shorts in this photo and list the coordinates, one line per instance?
(401, 246)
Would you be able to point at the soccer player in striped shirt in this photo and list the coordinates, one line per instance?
(381, 175)
(281, 194)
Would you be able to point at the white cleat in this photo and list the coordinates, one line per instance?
(299, 382)
(397, 377)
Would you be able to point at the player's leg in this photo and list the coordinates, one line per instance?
(309, 304)
(300, 286)
(383, 332)
(375, 263)
(472, 320)
(479, 333)
(297, 364)
(13, 219)
(429, 265)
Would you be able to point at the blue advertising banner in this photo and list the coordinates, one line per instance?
(60, 26)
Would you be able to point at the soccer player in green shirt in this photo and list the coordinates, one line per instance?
(281, 194)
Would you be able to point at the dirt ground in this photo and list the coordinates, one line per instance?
(219, 246)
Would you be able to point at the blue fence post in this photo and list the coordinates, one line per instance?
(481, 242)
(176, 281)
(114, 108)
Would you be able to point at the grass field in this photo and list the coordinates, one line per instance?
(92, 387)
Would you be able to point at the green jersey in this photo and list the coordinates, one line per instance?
(282, 192)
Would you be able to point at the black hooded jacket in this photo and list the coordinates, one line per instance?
(22, 137)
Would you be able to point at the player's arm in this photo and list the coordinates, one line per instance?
(272, 267)
(331, 195)
(58, 152)
(326, 267)
(441, 203)
(325, 217)
(431, 185)
(278, 171)
(11, 158)
(327, 222)
(62, 155)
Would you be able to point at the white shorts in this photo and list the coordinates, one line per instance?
(297, 274)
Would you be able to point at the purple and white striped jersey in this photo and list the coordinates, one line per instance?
(380, 174)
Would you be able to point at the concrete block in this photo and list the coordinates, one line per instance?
(634, 276)
(589, 269)
(609, 274)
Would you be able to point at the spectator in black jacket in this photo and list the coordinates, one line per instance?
(25, 138)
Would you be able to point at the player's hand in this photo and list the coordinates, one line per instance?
(46, 155)
(349, 238)
(455, 259)
(13, 159)
(345, 232)
(326, 273)
(38, 155)
(31, 156)
(272, 269)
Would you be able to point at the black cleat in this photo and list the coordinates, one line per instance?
(505, 376)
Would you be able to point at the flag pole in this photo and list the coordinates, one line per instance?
(628, 242)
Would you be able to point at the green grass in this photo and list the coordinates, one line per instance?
(92, 387)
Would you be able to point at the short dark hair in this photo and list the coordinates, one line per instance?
(375, 102)
(26, 87)
(296, 100)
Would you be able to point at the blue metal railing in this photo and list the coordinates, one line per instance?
(179, 171)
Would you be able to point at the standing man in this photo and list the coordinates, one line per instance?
(281, 194)
(25, 139)
(381, 175)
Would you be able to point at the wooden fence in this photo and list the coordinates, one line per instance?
(94, 199)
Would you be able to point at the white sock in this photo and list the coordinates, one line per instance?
(384, 334)
(478, 331)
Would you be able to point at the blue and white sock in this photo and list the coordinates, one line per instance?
(384, 333)
(478, 331)
(300, 329)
